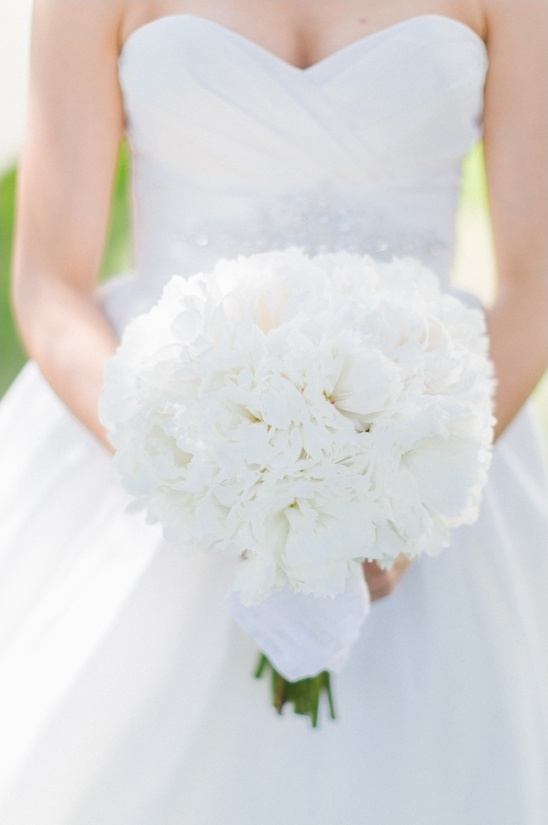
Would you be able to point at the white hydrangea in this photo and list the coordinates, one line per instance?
(304, 414)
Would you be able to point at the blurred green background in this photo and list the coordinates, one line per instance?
(473, 269)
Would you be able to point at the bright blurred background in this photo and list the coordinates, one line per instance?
(473, 268)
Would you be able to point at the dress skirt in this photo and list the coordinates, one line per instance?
(127, 695)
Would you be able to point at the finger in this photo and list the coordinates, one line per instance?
(382, 583)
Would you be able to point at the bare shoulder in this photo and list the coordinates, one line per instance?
(75, 120)
(78, 24)
(523, 23)
(517, 43)
(75, 46)
(515, 133)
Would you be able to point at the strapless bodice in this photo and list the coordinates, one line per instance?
(236, 151)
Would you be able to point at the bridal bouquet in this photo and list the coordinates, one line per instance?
(304, 415)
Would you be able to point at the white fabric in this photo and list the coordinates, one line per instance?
(126, 695)
(303, 635)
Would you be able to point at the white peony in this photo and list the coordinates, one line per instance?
(304, 414)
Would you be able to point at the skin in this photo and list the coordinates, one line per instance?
(75, 123)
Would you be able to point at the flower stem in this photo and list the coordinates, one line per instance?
(305, 694)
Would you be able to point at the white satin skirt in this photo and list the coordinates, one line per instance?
(127, 695)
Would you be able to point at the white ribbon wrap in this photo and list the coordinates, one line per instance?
(303, 635)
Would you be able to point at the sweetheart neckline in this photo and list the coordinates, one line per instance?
(313, 67)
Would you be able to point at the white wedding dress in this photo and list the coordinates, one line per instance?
(126, 691)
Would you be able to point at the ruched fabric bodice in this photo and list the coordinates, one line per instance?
(237, 151)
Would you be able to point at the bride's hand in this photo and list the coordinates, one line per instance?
(383, 582)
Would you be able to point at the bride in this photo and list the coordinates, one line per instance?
(126, 690)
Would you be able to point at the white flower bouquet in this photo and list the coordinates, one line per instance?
(304, 415)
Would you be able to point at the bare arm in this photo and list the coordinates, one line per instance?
(74, 126)
(516, 155)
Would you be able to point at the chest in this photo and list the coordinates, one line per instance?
(302, 32)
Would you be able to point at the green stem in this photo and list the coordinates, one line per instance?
(305, 694)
